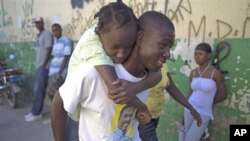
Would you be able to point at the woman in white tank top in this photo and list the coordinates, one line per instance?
(206, 88)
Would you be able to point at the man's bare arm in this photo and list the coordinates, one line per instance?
(58, 118)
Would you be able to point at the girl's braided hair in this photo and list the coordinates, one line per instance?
(116, 13)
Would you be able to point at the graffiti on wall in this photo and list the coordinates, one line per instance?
(141, 7)
(177, 14)
(75, 23)
(79, 23)
(27, 26)
(5, 18)
(178, 11)
(6, 22)
(199, 28)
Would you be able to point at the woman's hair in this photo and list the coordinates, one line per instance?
(116, 13)
(205, 47)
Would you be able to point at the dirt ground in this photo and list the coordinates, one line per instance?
(14, 128)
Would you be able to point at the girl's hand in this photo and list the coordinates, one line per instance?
(124, 93)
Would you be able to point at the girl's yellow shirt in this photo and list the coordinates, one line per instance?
(156, 98)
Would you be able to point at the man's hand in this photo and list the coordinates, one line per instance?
(196, 116)
(124, 93)
(143, 117)
(58, 76)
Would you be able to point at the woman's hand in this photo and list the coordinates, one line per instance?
(196, 116)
